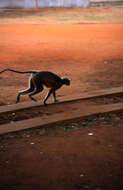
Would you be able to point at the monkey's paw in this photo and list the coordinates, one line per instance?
(56, 101)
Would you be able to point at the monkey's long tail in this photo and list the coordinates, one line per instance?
(21, 72)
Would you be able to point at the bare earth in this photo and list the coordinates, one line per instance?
(85, 45)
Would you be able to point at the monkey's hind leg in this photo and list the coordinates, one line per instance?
(27, 91)
(36, 91)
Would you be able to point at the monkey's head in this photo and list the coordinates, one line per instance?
(66, 81)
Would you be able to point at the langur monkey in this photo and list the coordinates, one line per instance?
(37, 80)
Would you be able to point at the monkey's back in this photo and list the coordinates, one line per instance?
(47, 79)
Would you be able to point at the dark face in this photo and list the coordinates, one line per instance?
(66, 81)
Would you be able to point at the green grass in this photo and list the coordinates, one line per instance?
(87, 18)
(66, 19)
(95, 18)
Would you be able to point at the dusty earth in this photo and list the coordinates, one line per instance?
(77, 156)
(85, 45)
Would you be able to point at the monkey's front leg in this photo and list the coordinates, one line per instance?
(54, 95)
(47, 96)
(18, 98)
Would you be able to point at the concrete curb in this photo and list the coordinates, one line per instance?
(36, 122)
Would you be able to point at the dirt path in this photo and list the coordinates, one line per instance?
(83, 52)
(82, 156)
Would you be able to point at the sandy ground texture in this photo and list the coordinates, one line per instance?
(89, 54)
(77, 156)
(85, 45)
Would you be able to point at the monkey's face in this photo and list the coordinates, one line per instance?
(66, 81)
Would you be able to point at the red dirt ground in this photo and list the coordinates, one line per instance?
(83, 52)
(91, 55)
(65, 158)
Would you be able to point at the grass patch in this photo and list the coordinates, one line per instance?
(66, 19)
(95, 18)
